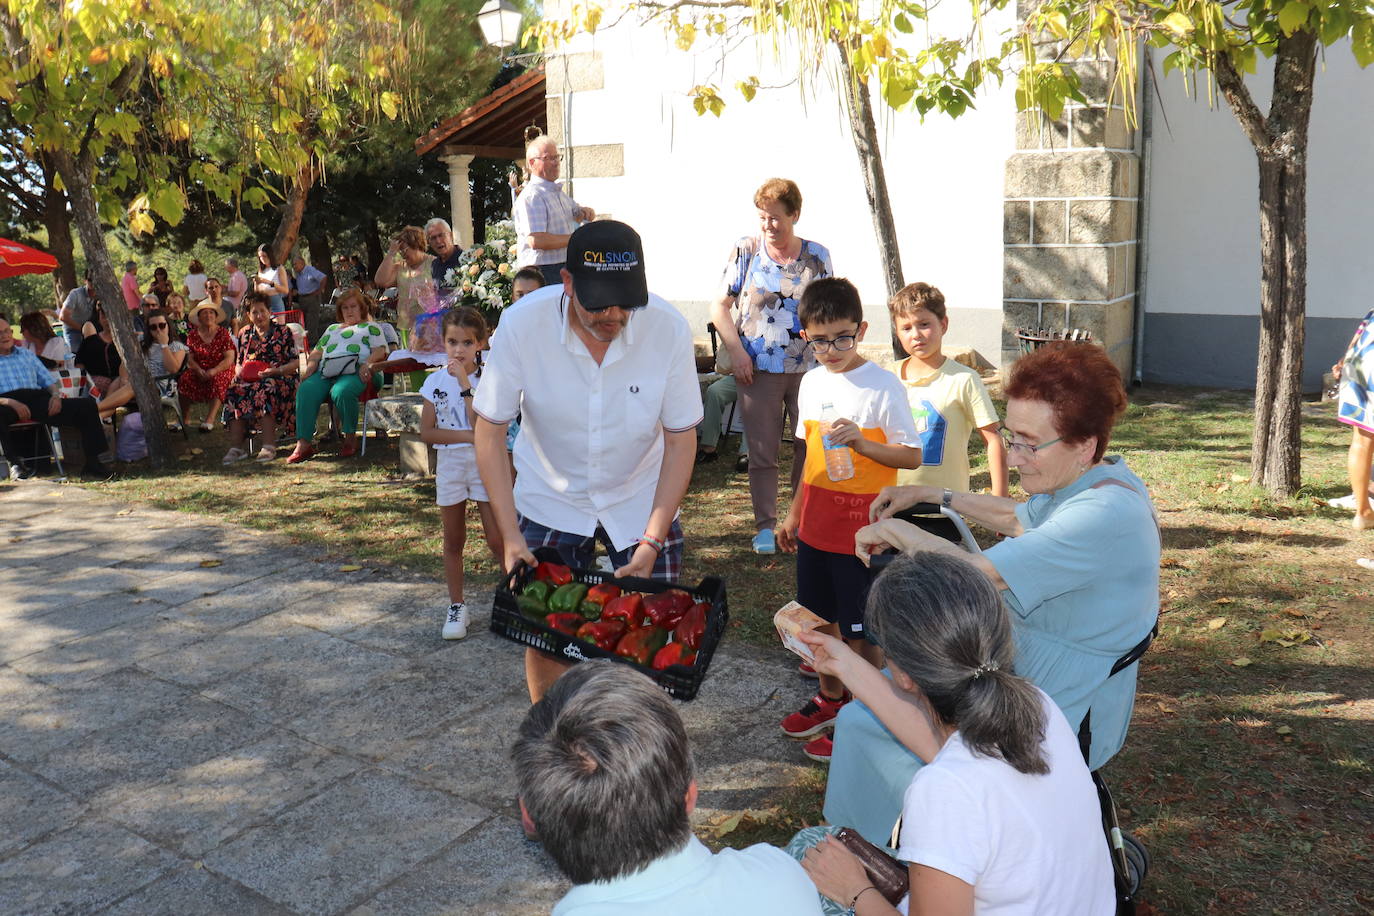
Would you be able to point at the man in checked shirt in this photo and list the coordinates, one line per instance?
(544, 216)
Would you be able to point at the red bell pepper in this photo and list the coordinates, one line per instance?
(565, 623)
(675, 653)
(600, 594)
(604, 634)
(629, 608)
(666, 608)
(640, 645)
(681, 598)
(692, 627)
(555, 574)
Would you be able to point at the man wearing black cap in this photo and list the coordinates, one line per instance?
(603, 377)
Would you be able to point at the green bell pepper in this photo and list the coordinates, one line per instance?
(640, 645)
(538, 590)
(532, 607)
(567, 598)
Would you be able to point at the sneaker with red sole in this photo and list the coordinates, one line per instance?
(819, 749)
(805, 670)
(817, 715)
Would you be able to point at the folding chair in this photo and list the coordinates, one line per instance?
(53, 440)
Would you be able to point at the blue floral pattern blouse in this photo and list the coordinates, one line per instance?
(767, 294)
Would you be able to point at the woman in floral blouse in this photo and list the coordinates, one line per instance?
(764, 277)
(264, 383)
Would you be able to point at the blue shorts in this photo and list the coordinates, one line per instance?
(833, 586)
(579, 550)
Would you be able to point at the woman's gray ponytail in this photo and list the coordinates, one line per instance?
(942, 623)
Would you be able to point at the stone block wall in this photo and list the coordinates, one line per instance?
(576, 73)
(1069, 222)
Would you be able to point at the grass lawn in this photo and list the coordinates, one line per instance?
(1249, 769)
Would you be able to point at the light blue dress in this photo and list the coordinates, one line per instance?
(1082, 590)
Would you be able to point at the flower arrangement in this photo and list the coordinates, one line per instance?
(485, 272)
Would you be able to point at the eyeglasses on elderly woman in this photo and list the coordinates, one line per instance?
(1025, 448)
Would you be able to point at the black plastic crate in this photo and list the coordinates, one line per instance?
(680, 681)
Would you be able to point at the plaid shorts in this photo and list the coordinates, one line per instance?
(579, 550)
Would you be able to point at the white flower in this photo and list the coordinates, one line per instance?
(773, 325)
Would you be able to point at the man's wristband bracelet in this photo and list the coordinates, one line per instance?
(653, 542)
(855, 901)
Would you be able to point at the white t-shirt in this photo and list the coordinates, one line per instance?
(833, 511)
(55, 349)
(450, 407)
(1028, 844)
(195, 286)
(591, 436)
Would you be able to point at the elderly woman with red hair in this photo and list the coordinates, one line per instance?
(1078, 569)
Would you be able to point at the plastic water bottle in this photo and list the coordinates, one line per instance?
(839, 460)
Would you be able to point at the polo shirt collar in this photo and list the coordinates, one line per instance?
(656, 878)
(543, 183)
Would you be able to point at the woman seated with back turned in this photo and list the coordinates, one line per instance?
(1004, 817)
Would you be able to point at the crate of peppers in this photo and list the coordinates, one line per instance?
(666, 630)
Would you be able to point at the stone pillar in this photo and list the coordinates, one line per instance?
(460, 198)
(1069, 229)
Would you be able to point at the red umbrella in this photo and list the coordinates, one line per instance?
(18, 259)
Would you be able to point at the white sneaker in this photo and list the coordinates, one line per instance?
(456, 626)
(234, 455)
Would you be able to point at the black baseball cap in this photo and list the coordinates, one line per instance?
(606, 260)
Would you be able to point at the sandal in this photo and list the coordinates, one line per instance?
(266, 453)
(234, 455)
(302, 452)
(206, 427)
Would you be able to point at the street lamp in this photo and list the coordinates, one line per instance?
(500, 23)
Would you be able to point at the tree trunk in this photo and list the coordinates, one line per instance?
(1276, 456)
(859, 108)
(289, 226)
(77, 176)
(1280, 140)
(372, 245)
(59, 225)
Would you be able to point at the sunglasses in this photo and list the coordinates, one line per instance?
(158, 327)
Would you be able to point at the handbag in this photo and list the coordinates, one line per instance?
(339, 366)
(725, 364)
(889, 875)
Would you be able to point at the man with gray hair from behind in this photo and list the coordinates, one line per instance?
(606, 779)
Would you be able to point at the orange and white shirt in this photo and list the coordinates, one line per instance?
(833, 511)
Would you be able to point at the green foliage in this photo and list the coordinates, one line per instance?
(945, 73)
(139, 89)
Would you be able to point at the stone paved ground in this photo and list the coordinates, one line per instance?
(274, 735)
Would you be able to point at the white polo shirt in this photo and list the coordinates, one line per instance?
(591, 436)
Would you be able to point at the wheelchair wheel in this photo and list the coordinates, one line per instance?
(1137, 860)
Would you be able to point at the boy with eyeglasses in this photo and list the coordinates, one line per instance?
(875, 423)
